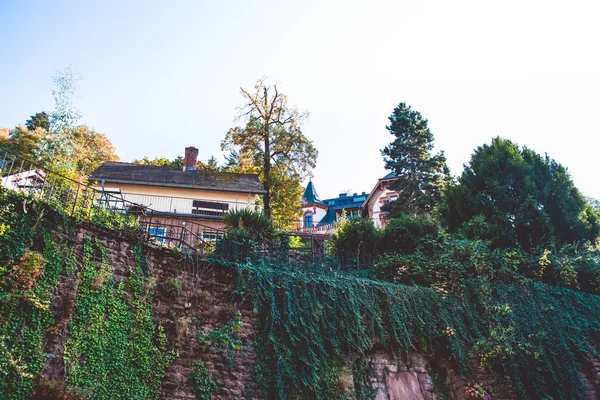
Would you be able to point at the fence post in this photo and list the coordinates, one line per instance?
(75, 201)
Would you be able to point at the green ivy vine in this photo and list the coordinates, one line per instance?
(27, 280)
(114, 350)
(530, 338)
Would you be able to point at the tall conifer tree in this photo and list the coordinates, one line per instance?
(420, 176)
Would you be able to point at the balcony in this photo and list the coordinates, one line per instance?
(179, 206)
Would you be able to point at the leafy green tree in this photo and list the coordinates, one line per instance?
(212, 164)
(176, 163)
(38, 120)
(272, 138)
(161, 162)
(90, 149)
(421, 176)
(595, 203)
(286, 191)
(64, 117)
(516, 197)
(26, 143)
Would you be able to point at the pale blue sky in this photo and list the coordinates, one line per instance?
(159, 76)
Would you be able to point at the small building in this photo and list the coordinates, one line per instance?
(180, 196)
(27, 181)
(380, 196)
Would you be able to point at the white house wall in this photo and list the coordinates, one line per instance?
(377, 202)
(318, 214)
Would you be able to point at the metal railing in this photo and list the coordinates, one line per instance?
(93, 204)
(64, 192)
(299, 225)
(188, 206)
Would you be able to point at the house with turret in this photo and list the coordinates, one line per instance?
(319, 215)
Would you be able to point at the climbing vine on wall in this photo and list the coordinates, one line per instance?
(27, 280)
(530, 337)
(114, 350)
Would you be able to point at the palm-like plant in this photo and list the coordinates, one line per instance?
(255, 223)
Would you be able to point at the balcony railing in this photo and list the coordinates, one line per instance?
(185, 206)
(319, 229)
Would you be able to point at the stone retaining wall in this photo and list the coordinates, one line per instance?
(206, 302)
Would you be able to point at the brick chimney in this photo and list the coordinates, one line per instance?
(190, 159)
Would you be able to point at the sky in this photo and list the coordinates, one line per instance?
(158, 76)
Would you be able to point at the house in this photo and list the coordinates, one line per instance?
(27, 181)
(313, 209)
(180, 196)
(319, 215)
(380, 196)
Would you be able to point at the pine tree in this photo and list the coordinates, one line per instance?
(420, 176)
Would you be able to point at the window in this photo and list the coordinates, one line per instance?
(308, 220)
(157, 234)
(203, 207)
(210, 236)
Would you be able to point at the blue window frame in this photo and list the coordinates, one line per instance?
(157, 233)
(308, 220)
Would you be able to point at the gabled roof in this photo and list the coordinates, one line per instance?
(389, 177)
(310, 194)
(136, 174)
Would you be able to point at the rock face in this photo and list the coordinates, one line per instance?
(395, 380)
(403, 385)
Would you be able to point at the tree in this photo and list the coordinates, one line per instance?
(176, 163)
(421, 176)
(286, 191)
(25, 142)
(212, 164)
(272, 137)
(64, 117)
(39, 120)
(161, 162)
(595, 203)
(516, 197)
(90, 150)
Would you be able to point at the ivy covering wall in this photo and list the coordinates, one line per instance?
(530, 337)
(112, 349)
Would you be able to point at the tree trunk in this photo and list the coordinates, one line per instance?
(267, 172)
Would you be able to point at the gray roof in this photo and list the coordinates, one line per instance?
(121, 172)
(310, 194)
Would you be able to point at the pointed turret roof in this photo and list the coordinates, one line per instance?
(310, 194)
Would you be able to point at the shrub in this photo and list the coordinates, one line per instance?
(201, 381)
(255, 223)
(237, 245)
(402, 268)
(29, 269)
(171, 287)
(407, 233)
(356, 242)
